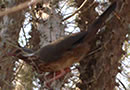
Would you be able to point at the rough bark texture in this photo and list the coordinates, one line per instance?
(99, 69)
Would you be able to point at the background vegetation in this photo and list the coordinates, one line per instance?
(36, 23)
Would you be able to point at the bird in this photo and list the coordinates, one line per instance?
(62, 53)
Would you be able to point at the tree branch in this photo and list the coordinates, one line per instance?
(18, 7)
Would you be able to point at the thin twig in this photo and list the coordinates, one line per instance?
(24, 34)
(12, 44)
(18, 70)
(18, 7)
(121, 83)
(65, 2)
(76, 10)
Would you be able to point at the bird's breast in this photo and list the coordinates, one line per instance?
(66, 60)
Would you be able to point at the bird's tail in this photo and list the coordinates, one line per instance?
(98, 23)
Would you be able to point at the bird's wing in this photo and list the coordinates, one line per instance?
(53, 52)
(72, 40)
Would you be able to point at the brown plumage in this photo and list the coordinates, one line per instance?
(64, 52)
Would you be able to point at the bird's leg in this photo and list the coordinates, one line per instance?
(58, 75)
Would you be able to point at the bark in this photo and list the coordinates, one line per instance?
(99, 69)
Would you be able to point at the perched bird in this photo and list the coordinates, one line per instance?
(64, 52)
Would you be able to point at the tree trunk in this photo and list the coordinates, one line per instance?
(99, 69)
